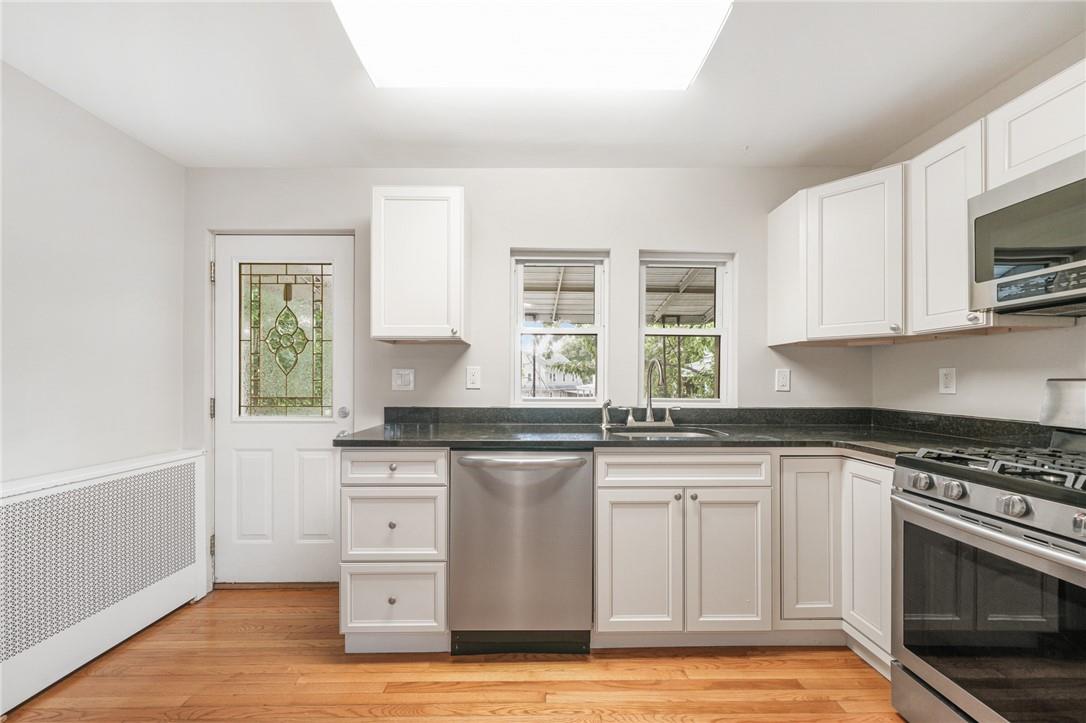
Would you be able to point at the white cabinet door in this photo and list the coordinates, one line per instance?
(1039, 127)
(939, 184)
(417, 263)
(729, 559)
(855, 256)
(865, 543)
(810, 538)
(639, 559)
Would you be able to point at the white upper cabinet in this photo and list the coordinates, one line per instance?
(854, 256)
(940, 182)
(1039, 127)
(418, 266)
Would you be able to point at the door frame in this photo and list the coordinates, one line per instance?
(208, 361)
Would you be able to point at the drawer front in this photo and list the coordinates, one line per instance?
(392, 597)
(394, 523)
(684, 469)
(395, 466)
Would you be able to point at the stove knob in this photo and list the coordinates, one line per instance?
(921, 481)
(1013, 505)
(953, 490)
(1078, 524)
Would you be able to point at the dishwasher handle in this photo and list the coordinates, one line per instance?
(523, 462)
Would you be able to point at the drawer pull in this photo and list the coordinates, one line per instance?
(392, 601)
(678, 495)
(392, 467)
(392, 525)
(694, 496)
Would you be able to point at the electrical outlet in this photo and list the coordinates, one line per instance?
(948, 380)
(403, 380)
(473, 378)
(782, 380)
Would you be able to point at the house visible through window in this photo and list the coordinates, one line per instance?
(559, 330)
(684, 328)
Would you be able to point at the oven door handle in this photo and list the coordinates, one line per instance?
(1046, 553)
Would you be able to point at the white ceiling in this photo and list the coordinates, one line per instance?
(278, 84)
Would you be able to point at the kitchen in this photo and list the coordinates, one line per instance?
(414, 482)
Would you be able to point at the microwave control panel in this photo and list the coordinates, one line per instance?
(1042, 284)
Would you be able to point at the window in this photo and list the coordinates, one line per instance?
(559, 329)
(686, 311)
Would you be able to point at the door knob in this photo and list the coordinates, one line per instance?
(972, 318)
(895, 328)
(453, 332)
(392, 601)
(392, 467)
(694, 496)
(343, 412)
(392, 525)
(678, 495)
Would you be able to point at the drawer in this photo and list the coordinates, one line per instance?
(392, 597)
(682, 469)
(395, 466)
(394, 523)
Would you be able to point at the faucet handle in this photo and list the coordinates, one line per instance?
(629, 416)
(667, 414)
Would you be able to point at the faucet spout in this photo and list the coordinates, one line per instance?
(650, 416)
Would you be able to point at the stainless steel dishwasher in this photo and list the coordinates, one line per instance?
(520, 553)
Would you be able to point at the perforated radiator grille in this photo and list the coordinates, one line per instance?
(72, 554)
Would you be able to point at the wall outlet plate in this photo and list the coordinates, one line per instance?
(948, 380)
(782, 380)
(403, 380)
(473, 378)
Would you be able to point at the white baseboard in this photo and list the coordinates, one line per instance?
(867, 650)
(397, 642)
(692, 640)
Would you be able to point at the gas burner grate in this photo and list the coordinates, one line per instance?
(1049, 466)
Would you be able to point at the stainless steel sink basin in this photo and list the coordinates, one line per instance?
(663, 435)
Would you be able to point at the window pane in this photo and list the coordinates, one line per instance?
(559, 296)
(680, 296)
(285, 344)
(690, 366)
(557, 365)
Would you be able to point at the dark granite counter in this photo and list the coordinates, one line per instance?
(496, 436)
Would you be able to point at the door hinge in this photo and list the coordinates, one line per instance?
(211, 546)
(211, 272)
(211, 407)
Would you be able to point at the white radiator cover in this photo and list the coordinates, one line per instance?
(90, 559)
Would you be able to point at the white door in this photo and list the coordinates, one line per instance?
(855, 257)
(728, 558)
(865, 543)
(283, 389)
(639, 559)
(1043, 125)
(810, 538)
(940, 182)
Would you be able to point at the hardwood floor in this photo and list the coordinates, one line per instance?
(276, 655)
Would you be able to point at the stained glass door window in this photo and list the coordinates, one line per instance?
(285, 344)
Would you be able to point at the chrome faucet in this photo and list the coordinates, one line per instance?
(650, 416)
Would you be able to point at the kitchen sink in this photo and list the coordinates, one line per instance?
(663, 435)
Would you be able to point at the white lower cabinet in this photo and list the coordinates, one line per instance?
(865, 542)
(729, 559)
(810, 535)
(388, 597)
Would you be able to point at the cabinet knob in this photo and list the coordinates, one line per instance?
(972, 318)
(392, 525)
(694, 496)
(678, 495)
(392, 467)
(453, 331)
(392, 601)
(895, 328)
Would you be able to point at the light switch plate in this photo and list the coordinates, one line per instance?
(473, 378)
(948, 380)
(782, 380)
(403, 380)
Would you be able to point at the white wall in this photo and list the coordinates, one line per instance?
(624, 210)
(998, 376)
(93, 229)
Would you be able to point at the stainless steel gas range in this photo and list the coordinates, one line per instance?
(989, 578)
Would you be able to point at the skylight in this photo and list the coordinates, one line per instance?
(534, 44)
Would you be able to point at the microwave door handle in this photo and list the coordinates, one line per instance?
(1045, 553)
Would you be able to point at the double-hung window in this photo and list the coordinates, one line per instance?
(686, 313)
(559, 328)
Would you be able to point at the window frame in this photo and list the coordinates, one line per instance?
(600, 262)
(725, 316)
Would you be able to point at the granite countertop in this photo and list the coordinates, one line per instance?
(862, 438)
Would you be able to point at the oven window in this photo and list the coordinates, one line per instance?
(1012, 637)
(1043, 231)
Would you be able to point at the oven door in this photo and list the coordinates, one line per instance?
(995, 624)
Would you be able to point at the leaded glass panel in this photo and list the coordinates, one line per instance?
(285, 340)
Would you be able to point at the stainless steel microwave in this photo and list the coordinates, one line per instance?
(1028, 242)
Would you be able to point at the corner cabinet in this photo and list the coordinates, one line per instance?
(1043, 125)
(810, 514)
(865, 543)
(418, 263)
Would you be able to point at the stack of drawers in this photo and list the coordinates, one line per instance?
(394, 505)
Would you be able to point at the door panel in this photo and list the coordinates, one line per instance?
(865, 544)
(283, 373)
(810, 538)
